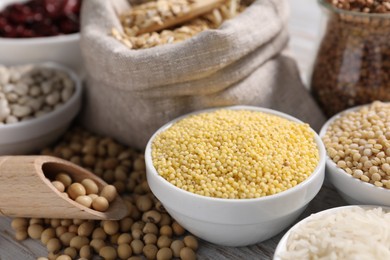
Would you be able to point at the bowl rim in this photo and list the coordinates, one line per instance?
(283, 241)
(337, 10)
(8, 128)
(313, 175)
(332, 164)
(63, 38)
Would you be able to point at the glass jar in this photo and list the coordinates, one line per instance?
(353, 61)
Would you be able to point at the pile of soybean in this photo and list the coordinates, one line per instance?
(146, 232)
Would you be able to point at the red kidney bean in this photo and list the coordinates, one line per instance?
(40, 18)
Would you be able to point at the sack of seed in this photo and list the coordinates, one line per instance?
(232, 55)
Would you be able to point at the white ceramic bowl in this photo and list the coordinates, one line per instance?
(353, 191)
(62, 49)
(31, 135)
(235, 222)
(282, 245)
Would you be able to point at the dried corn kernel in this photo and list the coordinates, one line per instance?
(235, 154)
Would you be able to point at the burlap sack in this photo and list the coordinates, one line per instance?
(131, 93)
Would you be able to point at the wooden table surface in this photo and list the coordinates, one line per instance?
(304, 27)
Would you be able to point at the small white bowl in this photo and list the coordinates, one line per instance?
(235, 222)
(282, 245)
(31, 135)
(352, 190)
(62, 49)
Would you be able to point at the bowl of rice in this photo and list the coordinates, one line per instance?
(349, 232)
(357, 141)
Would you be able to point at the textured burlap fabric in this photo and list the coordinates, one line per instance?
(131, 93)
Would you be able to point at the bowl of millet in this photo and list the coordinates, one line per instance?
(357, 141)
(235, 176)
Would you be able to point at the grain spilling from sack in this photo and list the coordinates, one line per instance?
(144, 15)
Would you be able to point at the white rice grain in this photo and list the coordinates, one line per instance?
(349, 234)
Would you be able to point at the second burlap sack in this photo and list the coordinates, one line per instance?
(131, 93)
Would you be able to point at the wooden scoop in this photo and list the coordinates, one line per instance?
(199, 7)
(25, 190)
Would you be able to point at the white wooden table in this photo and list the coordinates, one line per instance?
(304, 27)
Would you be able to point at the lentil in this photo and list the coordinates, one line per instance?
(151, 14)
(235, 154)
(362, 123)
(17, 103)
(77, 237)
(351, 67)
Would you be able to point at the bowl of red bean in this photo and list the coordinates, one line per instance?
(357, 141)
(40, 30)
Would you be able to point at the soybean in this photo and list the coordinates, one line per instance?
(81, 238)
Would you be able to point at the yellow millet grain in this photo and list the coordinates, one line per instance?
(235, 154)
(359, 143)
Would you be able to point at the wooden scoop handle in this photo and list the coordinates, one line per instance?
(26, 192)
(199, 7)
